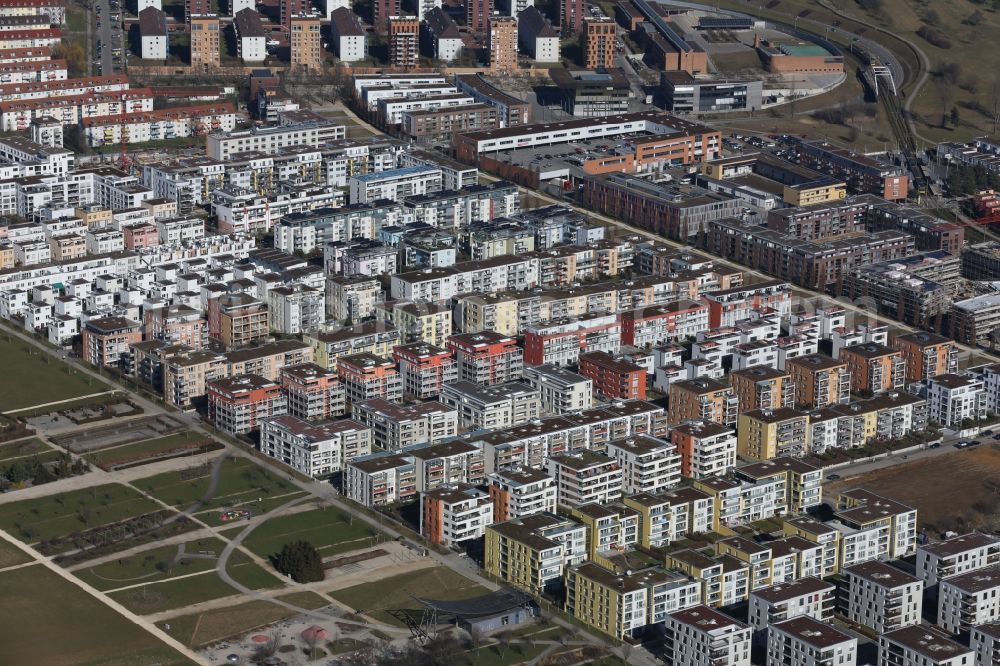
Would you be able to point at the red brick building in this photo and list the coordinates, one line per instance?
(614, 378)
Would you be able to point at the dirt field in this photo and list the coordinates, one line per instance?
(957, 491)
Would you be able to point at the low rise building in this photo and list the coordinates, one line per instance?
(921, 646)
(237, 404)
(969, 599)
(451, 515)
(958, 555)
(807, 596)
(585, 477)
(521, 492)
(399, 426)
(700, 635)
(492, 407)
(804, 641)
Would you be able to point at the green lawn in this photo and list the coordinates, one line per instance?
(63, 514)
(25, 447)
(11, 554)
(48, 620)
(180, 592)
(150, 566)
(326, 528)
(397, 592)
(199, 629)
(33, 377)
(214, 516)
(149, 446)
(241, 481)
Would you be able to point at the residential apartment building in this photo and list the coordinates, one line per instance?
(648, 464)
(585, 477)
(366, 377)
(670, 516)
(926, 354)
(706, 448)
(314, 450)
(874, 527)
(701, 635)
(502, 43)
(702, 400)
(313, 392)
(205, 43)
(107, 341)
(492, 407)
(238, 320)
(380, 479)
(952, 399)
(238, 404)
(306, 44)
(958, 555)
(819, 380)
(425, 369)
(804, 641)
(874, 367)
(769, 433)
(969, 599)
(762, 387)
(985, 643)
(532, 553)
(404, 38)
(622, 605)
(451, 515)
(486, 357)
(614, 378)
(399, 426)
(880, 596)
(809, 596)
(599, 37)
(521, 492)
(921, 646)
(560, 390)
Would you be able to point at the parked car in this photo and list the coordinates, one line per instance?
(832, 477)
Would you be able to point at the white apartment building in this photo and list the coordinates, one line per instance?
(223, 145)
(390, 111)
(451, 515)
(701, 635)
(648, 464)
(969, 599)
(958, 555)
(381, 478)
(560, 391)
(922, 646)
(881, 597)
(348, 36)
(985, 643)
(314, 450)
(706, 448)
(804, 641)
(395, 184)
(742, 502)
(296, 309)
(521, 492)
(491, 407)
(873, 527)
(585, 477)
(952, 399)
(808, 596)
(397, 426)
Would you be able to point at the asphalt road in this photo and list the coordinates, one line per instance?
(106, 35)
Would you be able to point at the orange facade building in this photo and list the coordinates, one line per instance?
(819, 380)
(926, 354)
(874, 367)
(702, 399)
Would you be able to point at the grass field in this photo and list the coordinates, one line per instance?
(63, 514)
(964, 499)
(198, 629)
(516, 653)
(32, 377)
(11, 555)
(240, 481)
(25, 447)
(150, 566)
(149, 446)
(47, 620)
(214, 516)
(180, 592)
(396, 592)
(325, 528)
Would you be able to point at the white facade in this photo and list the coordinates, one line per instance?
(969, 599)
(560, 390)
(464, 514)
(649, 465)
(525, 492)
(804, 641)
(808, 596)
(253, 48)
(351, 48)
(395, 184)
(585, 477)
(701, 635)
(316, 451)
(922, 646)
(154, 47)
(968, 552)
(882, 597)
(952, 399)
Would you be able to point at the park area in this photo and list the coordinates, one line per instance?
(199, 629)
(179, 444)
(59, 516)
(967, 497)
(380, 599)
(180, 592)
(156, 564)
(241, 484)
(33, 377)
(57, 623)
(328, 529)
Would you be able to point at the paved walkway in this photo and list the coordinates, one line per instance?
(60, 402)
